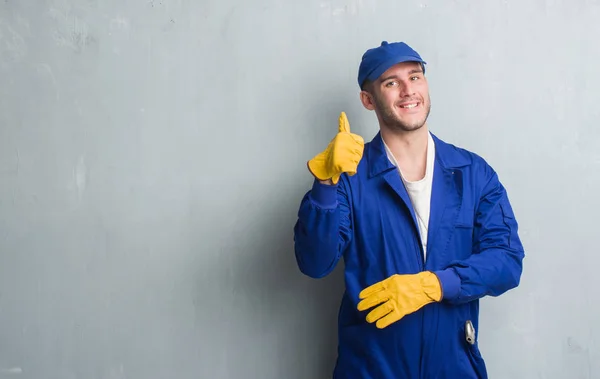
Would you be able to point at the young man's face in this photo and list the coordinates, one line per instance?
(400, 97)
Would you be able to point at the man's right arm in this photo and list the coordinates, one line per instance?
(323, 229)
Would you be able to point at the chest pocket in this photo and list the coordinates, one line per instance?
(461, 242)
(466, 217)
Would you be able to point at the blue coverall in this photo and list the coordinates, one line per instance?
(368, 218)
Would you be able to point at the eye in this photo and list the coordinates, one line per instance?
(390, 84)
(413, 78)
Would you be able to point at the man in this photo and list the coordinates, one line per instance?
(425, 229)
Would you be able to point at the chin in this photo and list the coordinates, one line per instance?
(410, 126)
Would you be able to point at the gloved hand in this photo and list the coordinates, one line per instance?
(401, 295)
(343, 154)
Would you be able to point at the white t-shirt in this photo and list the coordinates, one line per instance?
(420, 191)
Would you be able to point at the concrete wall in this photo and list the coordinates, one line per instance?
(152, 159)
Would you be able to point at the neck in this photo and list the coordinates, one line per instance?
(409, 149)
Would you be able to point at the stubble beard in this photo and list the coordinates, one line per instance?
(391, 120)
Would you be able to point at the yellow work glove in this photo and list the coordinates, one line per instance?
(343, 154)
(401, 295)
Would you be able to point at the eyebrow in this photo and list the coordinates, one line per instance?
(411, 72)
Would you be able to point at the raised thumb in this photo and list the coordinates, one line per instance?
(344, 125)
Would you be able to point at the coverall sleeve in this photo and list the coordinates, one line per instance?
(323, 229)
(495, 265)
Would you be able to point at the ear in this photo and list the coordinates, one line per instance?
(367, 100)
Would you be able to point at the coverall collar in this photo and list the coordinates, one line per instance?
(447, 155)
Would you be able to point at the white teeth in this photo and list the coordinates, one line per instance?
(408, 106)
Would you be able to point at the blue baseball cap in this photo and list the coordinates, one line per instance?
(377, 60)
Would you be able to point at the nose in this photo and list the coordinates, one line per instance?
(406, 88)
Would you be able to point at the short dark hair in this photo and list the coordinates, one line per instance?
(367, 86)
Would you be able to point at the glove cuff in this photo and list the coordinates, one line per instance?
(431, 286)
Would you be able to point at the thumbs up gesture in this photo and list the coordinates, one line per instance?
(343, 154)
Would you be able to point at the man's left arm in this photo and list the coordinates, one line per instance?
(496, 262)
(494, 266)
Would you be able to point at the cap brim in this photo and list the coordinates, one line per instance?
(383, 67)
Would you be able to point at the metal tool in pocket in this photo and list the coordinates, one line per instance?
(470, 332)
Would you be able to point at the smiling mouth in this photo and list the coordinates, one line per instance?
(409, 105)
